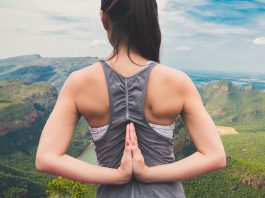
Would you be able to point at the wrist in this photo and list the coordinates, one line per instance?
(122, 177)
(144, 176)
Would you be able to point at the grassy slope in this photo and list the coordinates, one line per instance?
(244, 175)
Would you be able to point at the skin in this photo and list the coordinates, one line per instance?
(170, 93)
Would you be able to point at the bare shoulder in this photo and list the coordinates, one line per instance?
(175, 77)
(181, 83)
(79, 79)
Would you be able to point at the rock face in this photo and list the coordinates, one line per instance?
(22, 103)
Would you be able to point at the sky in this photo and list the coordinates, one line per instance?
(212, 35)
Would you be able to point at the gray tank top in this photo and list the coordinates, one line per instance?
(126, 99)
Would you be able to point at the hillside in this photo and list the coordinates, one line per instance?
(22, 103)
(230, 105)
(24, 109)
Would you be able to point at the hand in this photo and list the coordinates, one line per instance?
(139, 167)
(125, 169)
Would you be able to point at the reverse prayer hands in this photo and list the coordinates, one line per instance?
(132, 162)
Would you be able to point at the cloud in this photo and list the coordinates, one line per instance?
(56, 32)
(97, 43)
(64, 19)
(259, 41)
(223, 29)
(182, 48)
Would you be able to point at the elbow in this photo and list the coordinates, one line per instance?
(41, 163)
(220, 160)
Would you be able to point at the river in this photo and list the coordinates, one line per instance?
(89, 154)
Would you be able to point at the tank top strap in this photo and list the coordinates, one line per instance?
(112, 70)
(143, 96)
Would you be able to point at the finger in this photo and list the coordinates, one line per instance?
(127, 139)
(131, 134)
(134, 135)
(134, 132)
(136, 152)
(128, 146)
(135, 149)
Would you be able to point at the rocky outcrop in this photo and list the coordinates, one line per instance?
(23, 122)
(22, 103)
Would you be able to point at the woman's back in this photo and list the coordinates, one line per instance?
(163, 99)
(124, 104)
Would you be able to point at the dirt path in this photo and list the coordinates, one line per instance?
(224, 130)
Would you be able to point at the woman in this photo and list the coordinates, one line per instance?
(130, 101)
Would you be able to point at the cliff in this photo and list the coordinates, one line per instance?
(21, 103)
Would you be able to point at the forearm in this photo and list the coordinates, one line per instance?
(73, 168)
(191, 166)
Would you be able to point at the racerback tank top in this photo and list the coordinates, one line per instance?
(126, 99)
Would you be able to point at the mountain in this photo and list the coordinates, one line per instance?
(231, 105)
(23, 108)
(34, 68)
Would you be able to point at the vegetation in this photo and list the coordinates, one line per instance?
(236, 180)
(63, 187)
(18, 145)
(244, 175)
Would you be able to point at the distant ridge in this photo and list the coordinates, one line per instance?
(35, 68)
(22, 57)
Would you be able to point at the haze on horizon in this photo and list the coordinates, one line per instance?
(203, 35)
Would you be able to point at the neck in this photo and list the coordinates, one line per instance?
(122, 57)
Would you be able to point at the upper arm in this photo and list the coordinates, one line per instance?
(200, 125)
(58, 130)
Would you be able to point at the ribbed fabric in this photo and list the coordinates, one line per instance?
(126, 98)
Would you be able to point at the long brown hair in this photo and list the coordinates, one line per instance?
(134, 23)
